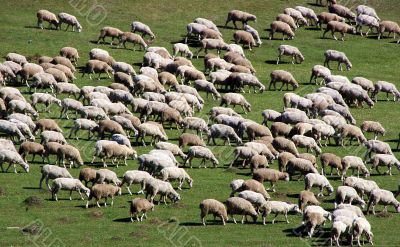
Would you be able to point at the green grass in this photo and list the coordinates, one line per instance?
(74, 225)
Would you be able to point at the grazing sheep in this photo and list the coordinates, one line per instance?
(156, 186)
(235, 99)
(215, 111)
(289, 50)
(278, 207)
(152, 130)
(207, 44)
(361, 226)
(112, 32)
(200, 152)
(348, 194)
(366, 20)
(243, 152)
(288, 20)
(44, 98)
(311, 221)
(208, 87)
(142, 28)
(340, 57)
(271, 175)
(135, 177)
(297, 16)
(97, 66)
(223, 131)
(175, 173)
(53, 172)
(319, 71)
(384, 197)
(214, 207)
(240, 80)
(70, 53)
(87, 175)
(195, 123)
(254, 33)
(240, 206)
(306, 142)
(245, 38)
(175, 150)
(45, 15)
(302, 165)
(99, 191)
(31, 148)
(362, 186)
(12, 158)
(386, 87)
(342, 110)
(16, 58)
(70, 184)
(332, 160)
(111, 149)
(284, 77)
(308, 13)
(354, 162)
(384, 160)
(366, 10)
(68, 152)
(252, 185)
(183, 49)
(70, 20)
(237, 15)
(7, 145)
(107, 176)
(366, 84)
(307, 198)
(123, 67)
(52, 136)
(269, 115)
(337, 26)
(132, 38)
(281, 27)
(351, 131)
(140, 205)
(374, 127)
(389, 26)
(63, 61)
(316, 180)
(282, 144)
(343, 12)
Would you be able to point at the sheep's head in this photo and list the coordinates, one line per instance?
(352, 30)
(215, 162)
(252, 18)
(118, 190)
(79, 28)
(398, 208)
(330, 190)
(26, 167)
(286, 176)
(174, 197)
(349, 65)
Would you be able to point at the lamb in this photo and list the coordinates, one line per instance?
(342, 11)
(31, 148)
(332, 160)
(362, 186)
(271, 175)
(68, 152)
(292, 51)
(11, 129)
(316, 180)
(254, 33)
(349, 194)
(244, 38)
(384, 160)
(99, 191)
(207, 44)
(112, 32)
(307, 198)
(384, 197)
(307, 142)
(71, 53)
(284, 77)
(97, 66)
(45, 15)
(212, 206)
(67, 88)
(366, 20)
(360, 226)
(223, 131)
(237, 205)
(354, 162)
(134, 177)
(252, 185)
(16, 58)
(140, 205)
(149, 129)
(337, 26)
(70, 184)
(235, 99)
(389, 26)
(70, 20)
(175, 173)
(282, 144)
(87, 175)
(53, 172)
(208, 87)
(143, 29)
(44, 98)
(302, 165)
(297, 16)
(340, 57)
(281, 27)
(278, 207)
(237, 15)
(12, 158)
(132, 38)
(308, 14)
(388, 88)
(156, 186)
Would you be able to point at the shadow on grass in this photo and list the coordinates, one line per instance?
(123, 220)
(209, 222)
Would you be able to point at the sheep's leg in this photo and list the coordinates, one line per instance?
(273, 220)
(70, 195)
(243, 219)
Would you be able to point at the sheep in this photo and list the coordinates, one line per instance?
(360, 226)
(212, 206)
(366, 84)
(16, 58)
(384, 160)
(278, 207)
(312, 221)
(254, 33)
(344, 111)
(292, 51)
(207, 44)
(245, 38)
(237, 15)
(237, 205)
(332, 160)
(45, 98)
(7, 145)
(353, 93)
(50, 148)
(354, 162)
(64, 69)
(374, 127)
(92, 112)
(31, 148)
(52, 136)
(166, 78)
(269, 115)
(190, 90)
(316, 180)
(271, 175)
(281, 27)
(296, 101)
(235, 99)
(11, 129)
(337, 26)
(366, 20)
(254, 130)
(123, 67)
(156, 186)
(22, 107)
(200, 152)
(288, 20)
(63, 61)
(107, 176)
(182, 49)
(45, 15)
(388, 88)
(340, 57)
(351, 131)
(240, 80)
(319, 71)
(97, 66)
(28, 71)
(195, 123)
(53, 172)
(252, 185)
(307, 198)
(208, 87)
(23, 118)
(302, 165)
(87, 175)
(145, 83)
(389, 26)
(113, 150)
(112, 32)
(208, 33)
(341, 225)
(175, 173)
(70, 184)
(134, 177)
(243, 152)
(366, 10)
(66, 88)
(194, 28)
(99, 191)
(325, 18)
(284, 77)
(322, 131)
(132, 38)
(142, 28)
(343, 12)
(171, 147)
(109, 126)
(384, 197)
(126, 124)
(222, 131)
(297, 16)
(215, 111)
(46, 124)
(282, 144)
(70, 53)
(149, 129)
(140, 205)
(349, 194)
(362, 186)
(308, 14)
(307, 142)
(12, 158)
(68, 152)
(70, 20)
(23, 128)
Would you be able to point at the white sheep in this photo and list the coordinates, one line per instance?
(319, 71)
(308, 14)
(16, 58)
(99, 191)
(340, 57)
(292, 51)
(134, 177)
(53, 172)
(202, 153)
(386, 87)
(11, 129)
(236, 99)
(387, 160)
(223, 131)
(212, 206)
(208, 24)
(366, 20)
(70, 184)
(254, 33)
(183, 49)
(70, 20)
(384, 197)
(366, 10)
(354, 162)
(175, 173)
(348, 194)
(175, 150)
(155, 186)
(362, 186)
(45, 15)
(143, 29)
(317, 180)
(12, 158)
(307, 142)
(255, 198)
(278, 207)
(360, 226)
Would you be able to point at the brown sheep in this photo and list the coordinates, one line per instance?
(87, 175)
(31, 148)
(271, 175)
(332, 160)
(245, 38)
(342, 28)
(47, 124)
(190, 139)
(307, 198)
(237, 15)
(140, 205)
(112, 32)
(109, 126)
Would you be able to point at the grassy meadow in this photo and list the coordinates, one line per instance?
(68, 223)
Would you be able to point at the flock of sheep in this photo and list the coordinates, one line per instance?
(159, 99)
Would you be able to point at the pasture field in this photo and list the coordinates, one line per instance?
(70, 224)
